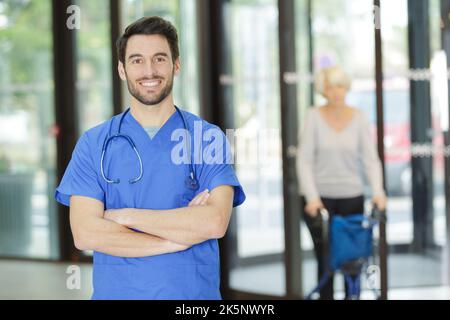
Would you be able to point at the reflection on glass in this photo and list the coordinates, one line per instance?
(252, 26)
(27, 143)
(182, 14)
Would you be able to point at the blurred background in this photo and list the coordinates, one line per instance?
(247, 65)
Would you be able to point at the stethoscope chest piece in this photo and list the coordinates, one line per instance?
(191, 182)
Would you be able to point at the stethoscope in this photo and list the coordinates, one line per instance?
(191, 180)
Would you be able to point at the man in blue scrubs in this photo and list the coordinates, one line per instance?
(154, 238)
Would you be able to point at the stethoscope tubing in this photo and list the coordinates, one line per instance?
(193, 181)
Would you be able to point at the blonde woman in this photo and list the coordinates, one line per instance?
(334, 142)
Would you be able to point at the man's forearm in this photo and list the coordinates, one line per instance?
(187, 226)
(111, 238)
(206, 217)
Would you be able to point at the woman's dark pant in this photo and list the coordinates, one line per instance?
(342, 207)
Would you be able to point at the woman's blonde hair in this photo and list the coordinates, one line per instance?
(335, 75)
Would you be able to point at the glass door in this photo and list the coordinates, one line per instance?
(416, 108)
(328, 34)
(251, 29)
(415, 102)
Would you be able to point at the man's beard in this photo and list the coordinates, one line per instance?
(134, 91)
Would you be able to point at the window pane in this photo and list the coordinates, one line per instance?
(27, 139)
(252, 27)
(93, 64)
(397, 138)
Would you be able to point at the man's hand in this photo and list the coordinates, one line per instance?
(122, 216)
(200, 200)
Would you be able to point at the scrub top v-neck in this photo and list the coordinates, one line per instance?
(152, 131)
(189, 274)
(167, 124)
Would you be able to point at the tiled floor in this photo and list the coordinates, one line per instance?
(404, 270)
(50, 281)
(43, 280)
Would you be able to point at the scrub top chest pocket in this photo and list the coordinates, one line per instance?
(185, 192)
(161, 188)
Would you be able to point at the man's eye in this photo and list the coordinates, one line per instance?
(136, 61)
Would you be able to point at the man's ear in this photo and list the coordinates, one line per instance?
(121, 69)
(177, 66)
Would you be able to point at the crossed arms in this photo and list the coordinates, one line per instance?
(162, 231)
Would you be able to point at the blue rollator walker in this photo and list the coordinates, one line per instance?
(348, 247)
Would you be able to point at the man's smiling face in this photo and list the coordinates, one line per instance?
(149, 68)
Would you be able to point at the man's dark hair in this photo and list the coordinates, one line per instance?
(148, 26)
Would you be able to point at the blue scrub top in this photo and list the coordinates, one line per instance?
(190, 274)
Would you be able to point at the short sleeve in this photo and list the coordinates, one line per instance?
(216, 168)
(80, 177)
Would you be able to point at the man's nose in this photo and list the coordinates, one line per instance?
(149, 69)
